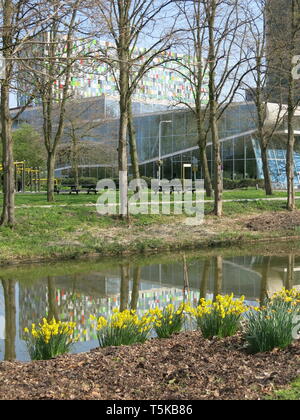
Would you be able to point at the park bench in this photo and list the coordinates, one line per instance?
(72, 190)
(90, 188)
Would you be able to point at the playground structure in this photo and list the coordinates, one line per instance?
(26, 179)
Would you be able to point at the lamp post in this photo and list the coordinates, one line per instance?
(159, 147)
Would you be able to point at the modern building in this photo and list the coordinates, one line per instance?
(240, 150)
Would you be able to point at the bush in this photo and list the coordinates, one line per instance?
(50, 339)
(220, 318)
(124, 328)
(232, 184)
(82, 181)
(272, 325)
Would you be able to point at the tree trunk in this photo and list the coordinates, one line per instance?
(265, 165)
(213, 120)
(8, 210)
(75, 170)
(50, 176)
(206, 175)
(291, 116)
(218, 173)
(132, 144)
(122, 159)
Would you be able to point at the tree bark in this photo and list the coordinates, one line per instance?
(266, 171)
(213, 120)
(132, 144)
(8, 210)
(50, 175)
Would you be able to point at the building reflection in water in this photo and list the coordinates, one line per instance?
(99, 290)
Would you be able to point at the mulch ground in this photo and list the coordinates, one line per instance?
(274, 221)
(184, 367)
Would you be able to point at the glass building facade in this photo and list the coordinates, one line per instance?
(240, 149)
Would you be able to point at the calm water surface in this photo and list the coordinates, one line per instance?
(74, 291)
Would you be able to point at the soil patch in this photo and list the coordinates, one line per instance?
(184, 367)
(275, 221)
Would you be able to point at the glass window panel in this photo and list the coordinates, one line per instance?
(166, 145)
(179, 123)
(227, 149)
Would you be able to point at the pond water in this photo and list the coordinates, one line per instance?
(73, 291)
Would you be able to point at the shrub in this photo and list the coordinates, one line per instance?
(124, 328)
(272, 326)
(50, 339)
(169, 320)
(220, 318)
(232, 184)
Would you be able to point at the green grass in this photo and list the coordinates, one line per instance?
(292, 392)
(40, 199)
(68, 232)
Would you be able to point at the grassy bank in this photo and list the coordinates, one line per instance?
(44, 233)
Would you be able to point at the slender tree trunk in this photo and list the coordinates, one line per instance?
(205, 169)
(132, 144)
(266, 171)
(50, 175)
(75, 170)
(8, 210)
(291, 116)
(218, 179)
(122, 158)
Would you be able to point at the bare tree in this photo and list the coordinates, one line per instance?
(260, 65)
(218, 33)
(292, 102)
(20, 22)
(129, 22)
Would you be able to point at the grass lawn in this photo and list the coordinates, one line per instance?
(292, 392)
(70, 231)
(39, 199)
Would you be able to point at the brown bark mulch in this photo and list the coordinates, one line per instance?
(274, 221)
(185, 367)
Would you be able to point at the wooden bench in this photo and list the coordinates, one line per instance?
(90, 188)
(73, 190)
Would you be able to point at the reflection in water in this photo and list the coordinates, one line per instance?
(135, 287)
(204, 279)
(264, 280)
(10, 318)
(218, 276)
(52, 303)
(98, 288)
